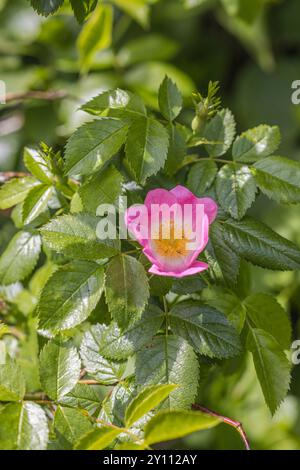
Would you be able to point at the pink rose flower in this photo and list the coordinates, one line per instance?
(172, 255)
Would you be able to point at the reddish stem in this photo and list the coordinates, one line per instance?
(235, 424)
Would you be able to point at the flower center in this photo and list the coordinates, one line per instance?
(171, 246)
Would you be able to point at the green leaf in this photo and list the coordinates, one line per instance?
(145, 401)
(23, 426)
(169, 360)
(36, 202)
(20, 257)
(84, 397)
(138, 9)
(15, 190)
(228, 303)
(126, 289)
(36, 164)
(236, 189)
(46, 7)
(12, 382)
(76, 236)
(201, 176)
(227, 259)
(70, 425)
(271, 365)
(154, 46)
(102, 188)
(207, 330)
(116, 103)
(95, 35)
(168, 425)
(93, 144)
(279, 179)
(83, 8)
(267, 314)
(256, 143)
(116, 344)
(260, 245)
(220, 131)
(146, 148)
(169, 99)
(59, 368)
(106, 371)
(70, 295)
(98, 439)
(177, 148)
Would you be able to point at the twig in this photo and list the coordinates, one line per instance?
(7, 175)
(50, 95)
(235, 424)
(89, 382)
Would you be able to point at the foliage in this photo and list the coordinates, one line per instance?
(97, 310)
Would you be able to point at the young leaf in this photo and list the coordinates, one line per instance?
(201, 176)
(36, 202)
(256, 143)
(220, 131)
(83, 8)
(168, 425)
(146, 148)
(70, 425)
(177, 148)
(36, 164)
(12, 382)
(15, 190)
(169, 99)
(59, 368)
(95, 35)
(46, 7)
(23, 426)
(70, 295)
(227, 259)
(98, 439)
(236, 189)
(118, 103)
(207, 330)
(76, 236)
(267, 314)
(145, 401)
(106, 371)
(279, 179)
(260, 245)
(126, 289)
(20, 257)
(102, 188)
(117, 345)
(93, 144)
(169, 360)
(271, 365)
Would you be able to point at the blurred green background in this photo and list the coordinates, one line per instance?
(252, 48)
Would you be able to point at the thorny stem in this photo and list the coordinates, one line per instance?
(235, 424)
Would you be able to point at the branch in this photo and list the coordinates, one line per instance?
(235, 424)
(50, 95)
(7, 175)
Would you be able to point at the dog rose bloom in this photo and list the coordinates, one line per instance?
(172, 227)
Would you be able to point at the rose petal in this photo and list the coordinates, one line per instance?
(196, 267)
